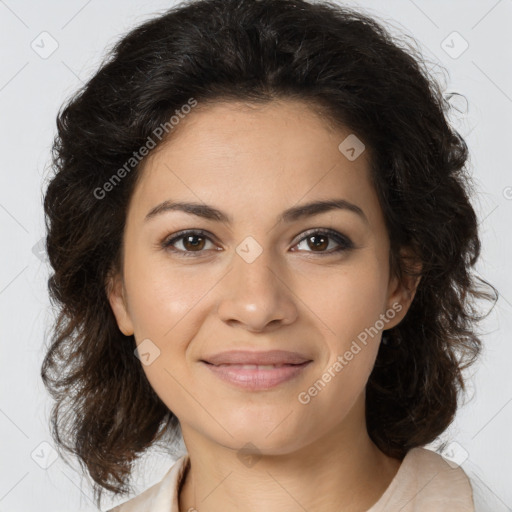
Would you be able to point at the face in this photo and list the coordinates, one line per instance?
(241, 274)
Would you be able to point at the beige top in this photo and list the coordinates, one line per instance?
(425, 482)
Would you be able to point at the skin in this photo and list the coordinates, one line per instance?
(254, 163)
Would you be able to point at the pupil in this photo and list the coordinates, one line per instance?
(320, 245)
(195, 244)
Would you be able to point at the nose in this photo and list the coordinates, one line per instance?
(255, 296)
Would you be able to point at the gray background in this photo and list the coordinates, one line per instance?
(34, 83)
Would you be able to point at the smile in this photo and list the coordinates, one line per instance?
(254, 377)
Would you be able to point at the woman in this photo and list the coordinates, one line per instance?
(262, 242)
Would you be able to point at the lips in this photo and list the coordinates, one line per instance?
(257, 371)
(271, 358)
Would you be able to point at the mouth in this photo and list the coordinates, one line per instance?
(257, 358)
(257, 377)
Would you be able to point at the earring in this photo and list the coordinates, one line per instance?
(387, 339)
(390, 341)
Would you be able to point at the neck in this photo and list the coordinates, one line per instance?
(342, 470)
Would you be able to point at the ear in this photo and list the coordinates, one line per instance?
(116, 294)
(401, 293)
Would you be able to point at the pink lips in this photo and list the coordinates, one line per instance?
(256, 370)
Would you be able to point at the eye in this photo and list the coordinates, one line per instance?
(319, 241)
(192, 241)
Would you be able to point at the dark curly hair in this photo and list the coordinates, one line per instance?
(349, 68)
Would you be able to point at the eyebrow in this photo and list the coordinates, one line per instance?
(292, 214)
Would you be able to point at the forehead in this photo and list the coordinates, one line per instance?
(252, 155)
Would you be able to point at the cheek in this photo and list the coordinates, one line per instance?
(348, 300)
(348, 306)
(166, 306)
(347, 313)
(162, 297)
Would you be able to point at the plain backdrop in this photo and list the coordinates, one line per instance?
(49, 48)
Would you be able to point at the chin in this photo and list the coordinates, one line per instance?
(273, 438)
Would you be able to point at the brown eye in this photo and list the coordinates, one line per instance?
(320, 240)
(193, 242)
(187, 243)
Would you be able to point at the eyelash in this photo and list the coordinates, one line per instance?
(344, 242)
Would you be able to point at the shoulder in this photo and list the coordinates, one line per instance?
(440, 481)
(432, 462)
(161, 496)
(427, 481)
